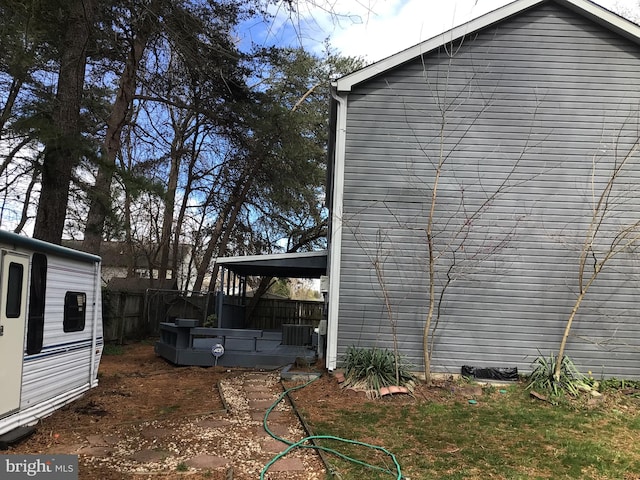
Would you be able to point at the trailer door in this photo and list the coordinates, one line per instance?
(14, 274)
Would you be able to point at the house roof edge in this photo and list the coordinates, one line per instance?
(595, 12)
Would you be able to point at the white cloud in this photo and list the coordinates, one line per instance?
(407, 25)
(375, 29)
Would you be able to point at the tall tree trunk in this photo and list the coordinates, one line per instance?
(224, 241)
(62, 152)
(213, 244)
(557, 371)
(131, 251)
(625, 237)
(170, 197)
(426, 333)
(226, 219)
(183, 206)
(100, 198)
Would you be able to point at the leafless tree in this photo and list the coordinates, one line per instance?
(608, 234)
(452, 222)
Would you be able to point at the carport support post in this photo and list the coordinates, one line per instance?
(220, 298)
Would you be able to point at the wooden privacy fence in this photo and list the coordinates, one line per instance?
(271, 314)
(122, 316)
(136, 315)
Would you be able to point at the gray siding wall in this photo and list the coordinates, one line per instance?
(530, 115)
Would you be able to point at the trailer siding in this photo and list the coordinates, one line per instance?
(67, 363)
(64, 362)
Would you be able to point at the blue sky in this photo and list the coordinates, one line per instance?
(375, 29)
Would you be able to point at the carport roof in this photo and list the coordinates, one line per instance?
(291, 265)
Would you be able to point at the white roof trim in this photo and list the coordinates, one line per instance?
(585, 7)
(270, 256)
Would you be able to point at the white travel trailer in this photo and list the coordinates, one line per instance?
(50, 330)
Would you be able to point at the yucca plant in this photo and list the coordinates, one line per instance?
(542, 377)
(371, 369)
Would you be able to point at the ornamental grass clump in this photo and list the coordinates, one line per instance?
(371, 369)
(542, 378)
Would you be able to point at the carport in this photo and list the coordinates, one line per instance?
(186, 342)
(235, 270)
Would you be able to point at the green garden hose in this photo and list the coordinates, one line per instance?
(302, 443)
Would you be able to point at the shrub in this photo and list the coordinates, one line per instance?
(571, 380)
(373, 368)
(614, 384)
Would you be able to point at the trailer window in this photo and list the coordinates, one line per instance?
(35, 323)
(74, 311)
(14, 291)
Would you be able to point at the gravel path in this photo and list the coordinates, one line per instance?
(230, 445)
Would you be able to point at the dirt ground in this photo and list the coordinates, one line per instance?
(150, 419)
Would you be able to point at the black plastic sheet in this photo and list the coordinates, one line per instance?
(504, 374)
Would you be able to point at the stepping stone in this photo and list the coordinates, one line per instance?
(149, 456)
(219, 423)
(97, 441)
(207, 461)
(283, 416)
(271, 445)
(252, 387)
(95, 451)
(277, 429)
(257, 378)
(256, 388)
(287, 464)
(260, 396)
(258, 415)
(274, 416)
(260, 404)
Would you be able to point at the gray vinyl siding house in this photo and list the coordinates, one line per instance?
(528, 108)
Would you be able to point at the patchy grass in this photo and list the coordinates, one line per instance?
(505, 435)
(168, 409)
(113, 349)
